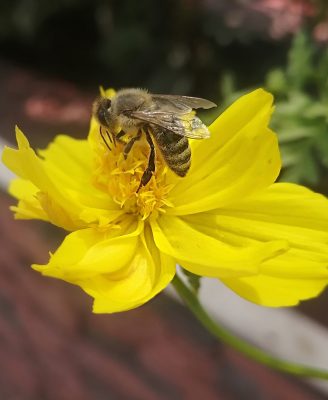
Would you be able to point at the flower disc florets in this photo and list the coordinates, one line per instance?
(120, 177)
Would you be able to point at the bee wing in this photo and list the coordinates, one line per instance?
(180, 104)
(184, 125)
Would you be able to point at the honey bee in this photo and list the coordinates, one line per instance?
(168, 119)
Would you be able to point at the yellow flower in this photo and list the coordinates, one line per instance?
(226, 219)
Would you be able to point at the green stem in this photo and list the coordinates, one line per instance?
(237, 343)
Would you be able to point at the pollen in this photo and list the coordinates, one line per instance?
(120, 177)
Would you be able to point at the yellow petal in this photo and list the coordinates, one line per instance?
(205, 253)
(88, 252)
(21, 139)
(240, 158)
(149, 273)
(63, 179)
(69, 162)
(292, 213)
(121, 269)
(24, 163)
(275, 292)
(28, 206)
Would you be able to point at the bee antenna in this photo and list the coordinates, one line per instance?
(111, 137)
(103, 138)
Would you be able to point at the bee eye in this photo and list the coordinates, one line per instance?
(108, 103)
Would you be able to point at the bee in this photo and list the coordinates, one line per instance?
(167, 120)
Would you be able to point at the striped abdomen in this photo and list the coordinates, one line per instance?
(174, 148)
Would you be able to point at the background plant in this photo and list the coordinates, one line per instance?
(301, 114)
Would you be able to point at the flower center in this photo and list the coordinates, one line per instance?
(120, 177)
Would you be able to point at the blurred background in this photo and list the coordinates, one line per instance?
(54, 55)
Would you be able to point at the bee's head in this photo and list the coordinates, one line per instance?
(102, 111)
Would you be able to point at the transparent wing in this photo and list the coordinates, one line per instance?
(184, 125)
(180, 104)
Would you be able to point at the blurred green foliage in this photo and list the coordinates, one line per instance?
(301, 114)
(177, 46)
(301, 110)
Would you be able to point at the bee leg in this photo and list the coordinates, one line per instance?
(128, 146)
(104, 139)
(119, 135)
(148, 173)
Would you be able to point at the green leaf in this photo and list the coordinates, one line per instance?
(306, 170)
(276, 81)
(228, 86)
(321, 145)
(297, 102)
(316, 110)
(296, 132)
(289, 156)
(321, 76)
(300, 58)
